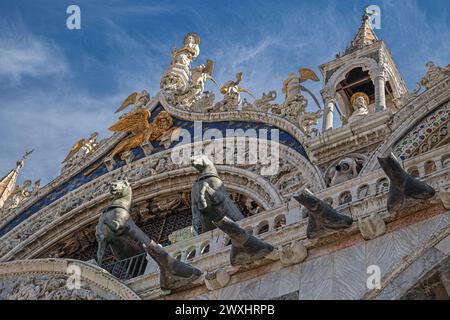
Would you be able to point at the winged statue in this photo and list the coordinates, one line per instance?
(294, 105)
(231, 85)
(292, 86)
(231, 95)
(84, 145)
(140, 130)
(137, 99)
(198, 79)
(203, 73)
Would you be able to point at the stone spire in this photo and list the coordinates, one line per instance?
(365, 35)
(8, 182)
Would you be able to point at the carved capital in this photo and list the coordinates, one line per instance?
(378, 73)
(328, 95)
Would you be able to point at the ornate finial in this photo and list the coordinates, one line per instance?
(366, 14)
(20, 162)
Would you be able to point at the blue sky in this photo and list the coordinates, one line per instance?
(58, 85)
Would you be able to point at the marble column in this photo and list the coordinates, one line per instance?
(328, 114)
(380, 91)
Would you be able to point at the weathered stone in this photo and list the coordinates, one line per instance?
(181, 234)
(445, 198)
(147, 147)
(128, 156)
(109, 163)
(293, 253)
(217, 279)
(372, 226)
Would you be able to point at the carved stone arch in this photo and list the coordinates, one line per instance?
(299, 172)
(238, 115)
(397, 89)
(47, 278)
(235, 179)
(366, 64)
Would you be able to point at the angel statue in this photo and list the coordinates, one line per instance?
(140, 130)
(80, 150)
(292, 87)
(199, 76)
(231, 95)
(294, 105)
(262, 104)
(137, 99)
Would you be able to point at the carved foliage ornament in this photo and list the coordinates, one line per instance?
(42, 287)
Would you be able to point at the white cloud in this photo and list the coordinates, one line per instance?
(51, 124)
(23, 54)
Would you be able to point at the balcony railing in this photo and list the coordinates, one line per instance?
(128, 268)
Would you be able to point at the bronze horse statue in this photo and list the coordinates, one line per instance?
(213, 207)
(117, 229)
(403, 186)
(322, 217)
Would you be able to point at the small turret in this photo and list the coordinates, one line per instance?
(8, 182)
(366, 67)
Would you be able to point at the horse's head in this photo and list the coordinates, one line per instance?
(390, 166)
(120, 189)
(203, 165)
(308, 200)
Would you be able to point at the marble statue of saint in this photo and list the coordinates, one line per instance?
(359, 102)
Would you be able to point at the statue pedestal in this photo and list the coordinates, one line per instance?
(109, 163)
(147, 147)
(129, 156)
(175, 79)
(372, 227)
(445, 198)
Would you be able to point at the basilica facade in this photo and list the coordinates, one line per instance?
(195, 196)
